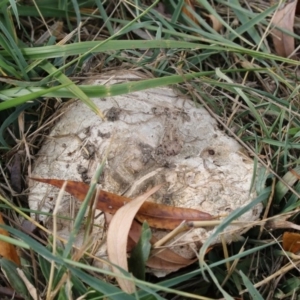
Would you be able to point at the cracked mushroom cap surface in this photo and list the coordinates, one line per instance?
(154, 136)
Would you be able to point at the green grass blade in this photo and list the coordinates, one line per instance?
(213, 12)
(140, 253)
(251, 289)
(30, 96)
(14, 50)
(46, 52)
(83, 208)
(226, 222)
(77, 11)
(249, 25)
(118, 89)
(9, 269)
(105, 17)
(13, 5)
(246, 99)
(107, 289)
(10, 119)
(75, 90)
(187, 276)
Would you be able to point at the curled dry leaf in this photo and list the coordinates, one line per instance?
(54, 30)
(30, 287)
(290, 178)
(8, 250)
(281, 222)
(291, 242)
(284, 18)
(215, 23)
(117, 237)
(156, 215)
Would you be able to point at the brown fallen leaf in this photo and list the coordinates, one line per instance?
(130, 242)
(165, 260)
(156, 215)
(8, 250)
(284, 18)
(160, 259)
(117, 237)
(185, 10)
(291, 242)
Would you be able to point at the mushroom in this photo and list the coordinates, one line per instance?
(154, 136)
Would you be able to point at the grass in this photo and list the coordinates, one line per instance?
(235, 74)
